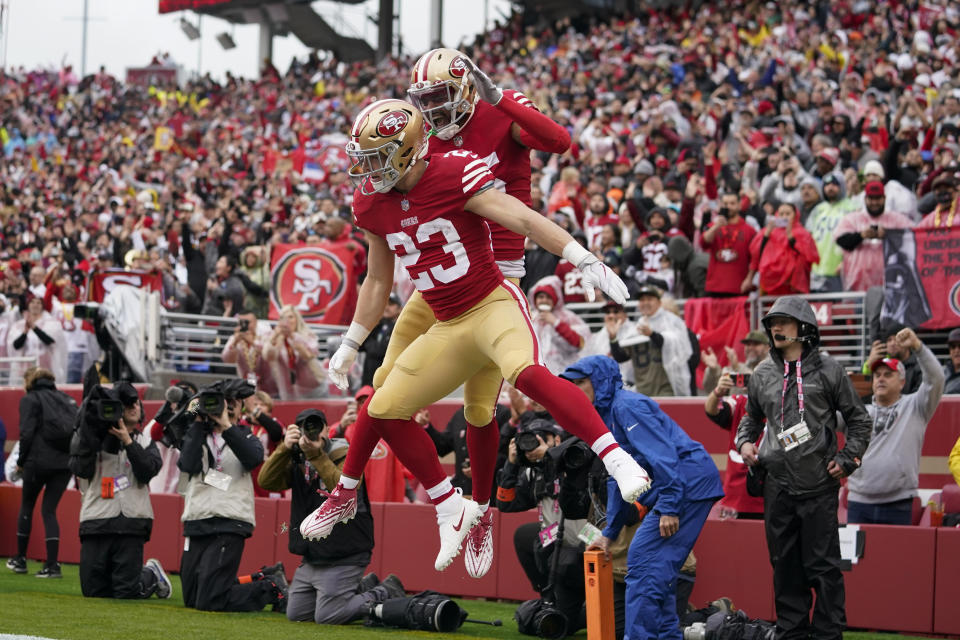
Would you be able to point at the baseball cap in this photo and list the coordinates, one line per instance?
(126, 392)
(647, 290)
(874, 189)
(395, 299)
(540, 425)
(944, 178)
(893, 364)
(831, 178)
(830, 154)
(756, 336)
(954, 336)
(304, 415)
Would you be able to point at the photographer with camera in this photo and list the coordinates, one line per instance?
(686, 483)
(328, 587)
(217, 457)
(531, 478)
(803, 466)
(115, 461)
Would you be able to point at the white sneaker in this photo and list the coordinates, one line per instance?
(340, 506)
(630, 476)
(164, 586)
(453, 530)
(478, 556)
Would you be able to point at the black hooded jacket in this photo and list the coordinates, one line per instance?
(827, 390)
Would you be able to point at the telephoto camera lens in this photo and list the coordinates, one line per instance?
(527, 441)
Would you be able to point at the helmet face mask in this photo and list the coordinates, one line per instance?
(386, 140)
(440, 89)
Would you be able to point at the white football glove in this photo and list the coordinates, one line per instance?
(340, 364)
(486, 89)
(346, 353)
(595, 274)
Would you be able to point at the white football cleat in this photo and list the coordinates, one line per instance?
(453, 531)
(630, 476)
(478, 556)
(340, 506)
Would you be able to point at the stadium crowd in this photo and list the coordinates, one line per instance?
(715, 152)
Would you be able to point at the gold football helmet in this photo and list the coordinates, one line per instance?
(440, 88)
(388, 136)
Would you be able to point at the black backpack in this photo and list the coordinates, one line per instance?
(59, 415)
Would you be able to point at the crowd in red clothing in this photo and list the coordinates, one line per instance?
(740, 147)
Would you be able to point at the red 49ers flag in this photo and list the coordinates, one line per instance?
(318, 281)
(103, 282)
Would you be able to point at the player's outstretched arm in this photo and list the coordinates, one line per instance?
(514, 215)
(531, 128)
(374, 293)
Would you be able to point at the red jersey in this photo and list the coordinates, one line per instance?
(445, 250)
(729, 257)
(572, 279)
(487, 134)
(593, 227)
(735, 493)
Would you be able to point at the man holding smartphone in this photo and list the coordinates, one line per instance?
(860, 235)
(327, 586)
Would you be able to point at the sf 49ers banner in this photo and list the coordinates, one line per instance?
(921, 277)
(103, 282)
(317, 280)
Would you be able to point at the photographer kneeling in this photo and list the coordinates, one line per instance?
(218, 514)
(531, 478)
(115, 461)
(327, 586)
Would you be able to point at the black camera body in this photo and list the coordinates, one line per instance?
(102, 409)
(527, 442)
(313, 427)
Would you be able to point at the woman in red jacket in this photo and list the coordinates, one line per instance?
(783, 254)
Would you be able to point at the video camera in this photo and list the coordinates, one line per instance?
(203, 405)
(103, 407)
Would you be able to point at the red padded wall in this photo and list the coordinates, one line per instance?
(946, 602)
(892, 585)
(732, 561)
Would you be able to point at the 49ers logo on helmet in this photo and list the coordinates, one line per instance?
(392, 123)
(310, 279)
(458, 67)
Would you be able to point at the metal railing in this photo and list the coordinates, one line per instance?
(195, 342)
(12, 368)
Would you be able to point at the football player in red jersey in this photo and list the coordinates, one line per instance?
(467, 111)
(432, 214)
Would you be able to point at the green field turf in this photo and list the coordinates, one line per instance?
(55, 609)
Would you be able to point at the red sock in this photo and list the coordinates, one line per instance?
(363, 440)
(483, 444)
(565, 402)
(414, 448)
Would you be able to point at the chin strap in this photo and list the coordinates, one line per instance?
(538, 130)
